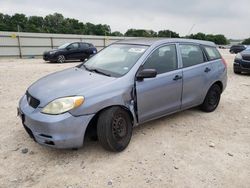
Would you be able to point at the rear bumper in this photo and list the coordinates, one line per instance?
(58, 131)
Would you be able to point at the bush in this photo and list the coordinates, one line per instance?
(246, 41)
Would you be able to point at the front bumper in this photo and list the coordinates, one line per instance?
(49, 57)
(239, 68)
(58, 131)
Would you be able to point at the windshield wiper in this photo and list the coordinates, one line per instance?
(99, 72)
(95, 70)
(86, 67)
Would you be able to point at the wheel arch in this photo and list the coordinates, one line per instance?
(92, 125)
(219, 83)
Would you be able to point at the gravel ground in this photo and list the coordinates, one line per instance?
(187, 149)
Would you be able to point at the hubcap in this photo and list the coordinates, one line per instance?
(61, 58)
(119, 127)
(213, 99)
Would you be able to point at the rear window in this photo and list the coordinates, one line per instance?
(212, 53)
(84, 45)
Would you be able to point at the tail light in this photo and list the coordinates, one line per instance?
(224, 62)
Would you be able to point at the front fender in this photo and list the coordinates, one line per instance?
(99, 101)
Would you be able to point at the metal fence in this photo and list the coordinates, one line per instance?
(13, 44)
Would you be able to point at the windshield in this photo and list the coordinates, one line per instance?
(63, 46)
(248, 48)
(115, 60)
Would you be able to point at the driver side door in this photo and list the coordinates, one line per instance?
(161, 95)
(73, 51)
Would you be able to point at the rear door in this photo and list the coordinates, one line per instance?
(196, 74)
(160, 95)
(89, 49)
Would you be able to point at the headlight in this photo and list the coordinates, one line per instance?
(238, 56)
(52, 52)
(62, 105)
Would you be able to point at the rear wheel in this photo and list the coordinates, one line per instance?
(61, 59)
(212, 99)
(114, 129)
(84, 58)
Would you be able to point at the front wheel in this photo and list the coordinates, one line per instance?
(237, 72)
(114, 129)
(212, 99)
(61, 59)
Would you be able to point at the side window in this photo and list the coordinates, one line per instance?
(191, 55)
(164, 59)
(84, 45)
(73, 46)
(212, 53)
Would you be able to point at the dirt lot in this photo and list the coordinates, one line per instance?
(188, 149)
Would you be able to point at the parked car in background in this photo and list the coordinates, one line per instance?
(237, 48)
(126, 84)
(242, 62)
(70, 51)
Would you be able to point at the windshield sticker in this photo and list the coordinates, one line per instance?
(136, 50)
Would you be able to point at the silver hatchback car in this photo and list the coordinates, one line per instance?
(128, 83)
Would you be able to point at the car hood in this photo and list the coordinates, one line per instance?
(70, 82)
(53, 50)
(245, 53)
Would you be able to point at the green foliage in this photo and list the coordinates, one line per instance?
(151, 33)
(56, 23)
(246, 41)
(168, 33)
(140, 33)
(116, 33)
(53, 23)
(217, 39)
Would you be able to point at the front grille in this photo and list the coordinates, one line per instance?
(246, 58)
(33, 102)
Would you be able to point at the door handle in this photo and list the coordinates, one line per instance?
(207, 70)
(177, 77)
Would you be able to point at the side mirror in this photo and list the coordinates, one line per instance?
(146, 73)
(68, 48)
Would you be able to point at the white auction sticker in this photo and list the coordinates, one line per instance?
(136, 50)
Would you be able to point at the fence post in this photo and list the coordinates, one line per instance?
(104, 42)
(19, 46)
(51, 42)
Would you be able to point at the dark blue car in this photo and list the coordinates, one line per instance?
(242, 62)
(70, 51)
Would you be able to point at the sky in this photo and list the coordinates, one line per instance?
(228, 17)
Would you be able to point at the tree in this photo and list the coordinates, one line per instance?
(54, 23)
(35, 24)
(18, 20)
(246, 41)
(220, 39)
(140, 33)
(168, 33)
(102, 30)
(2, 23)
(198, 36)
(217, 39)
(116, 33)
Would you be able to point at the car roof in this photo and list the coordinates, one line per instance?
(152, 41)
